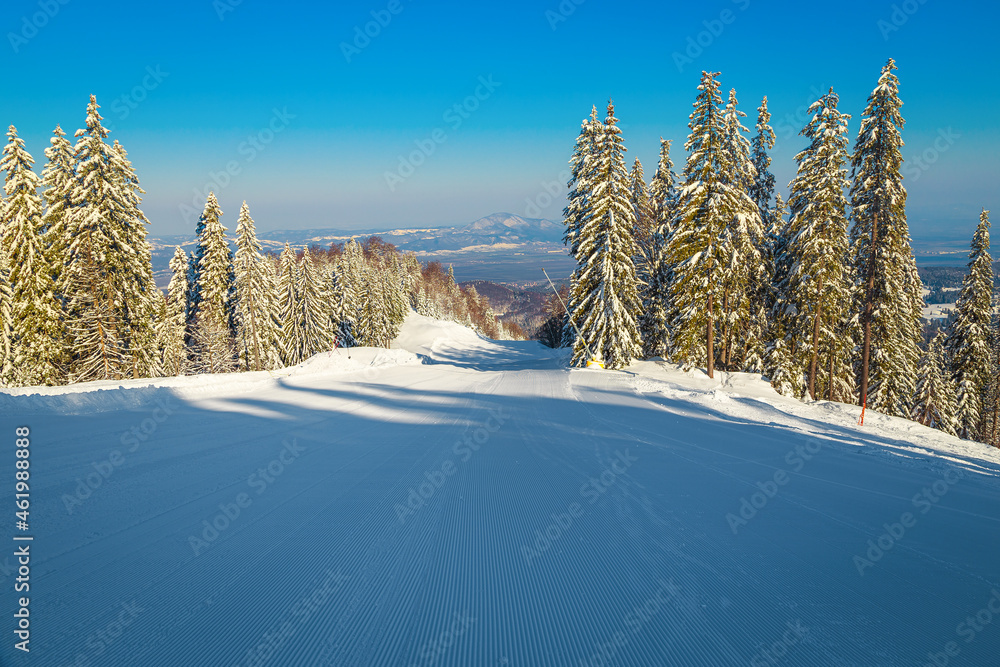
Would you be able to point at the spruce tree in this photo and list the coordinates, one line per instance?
(934, 399)
(213, 305)
(604, 297)
(139, 299)
(288, 304)
(762, 189)
(6, 322)
(817, 283)
(655, 315)
(582, 164)
(313, 309)
(968, 339)
(35, 311)
(645, 219)
(887, 294)
(58, 181)
(173, 323)
(744, 318)
(713, 225)
(257, 335)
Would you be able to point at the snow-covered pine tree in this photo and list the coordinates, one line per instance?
(818, 283)
(139, 299)
(645, 218)
(887, 294)
(655, 316)
(58, 181)
(934, 399)
(257, 335)
(313, 309)
(343, 301)
(6, 322)
(173, 323)
(582, 163)
(707, 232)
(762, 188)
(288, 304)
(991, 406)
(780, 363)
(373, 322)
(37, 330)
(605, 297)
(743, 320)
(100, 255)
(968, 339)
(215, 344)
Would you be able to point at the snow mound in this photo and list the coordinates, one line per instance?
(105, 395)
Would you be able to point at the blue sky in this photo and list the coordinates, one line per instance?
(309, 132)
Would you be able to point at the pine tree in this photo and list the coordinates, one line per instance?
(58, 180)
(288, 304)
(991, 407)
(139, 299)
(655, 316)
(6, 322)
(934, 399)
(213, 302)
(173, 323)
(582, 164)
(712, 227)
(762, 189)
(312, 311)
(257, 335)
(343, 302)
(604, 297)
(35, 311)
(968, 340)
(817, 283)
(780, 364)
(887, 296)
(743, 318)
(106, 281)
(645, 218)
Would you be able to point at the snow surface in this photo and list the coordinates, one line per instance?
(572, 518)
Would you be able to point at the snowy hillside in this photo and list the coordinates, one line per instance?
(458, 501)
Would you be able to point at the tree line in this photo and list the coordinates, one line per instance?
(710, 268)
(78, 301)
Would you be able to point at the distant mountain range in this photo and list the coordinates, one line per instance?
(500, 247)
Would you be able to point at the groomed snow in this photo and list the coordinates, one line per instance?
(459, 501)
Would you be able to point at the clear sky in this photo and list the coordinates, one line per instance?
(309, 129)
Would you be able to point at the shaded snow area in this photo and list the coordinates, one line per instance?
(458, 501)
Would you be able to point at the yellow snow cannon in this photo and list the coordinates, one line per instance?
(594, 363)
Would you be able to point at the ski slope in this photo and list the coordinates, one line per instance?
(458, 501)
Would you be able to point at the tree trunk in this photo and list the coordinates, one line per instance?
(829, 393)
